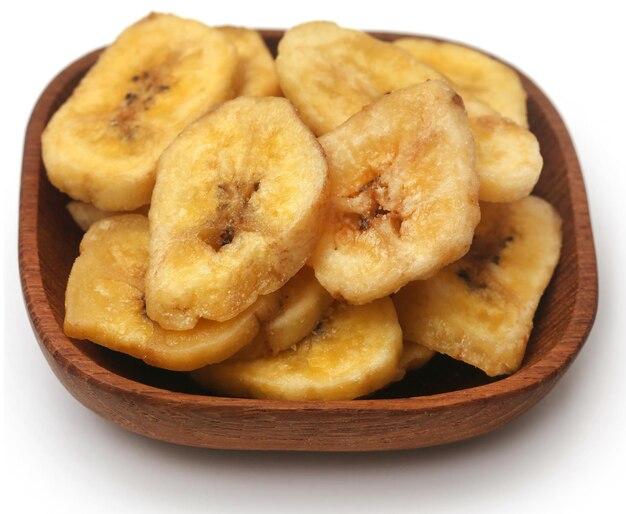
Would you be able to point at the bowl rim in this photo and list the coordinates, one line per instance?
(58, 348)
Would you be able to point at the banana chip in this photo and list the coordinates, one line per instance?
(303, 302)
(105, 303)
(162, 73)
(480, 309)
(354, 352)
(403, 193)
(508, 159)
(85, 214)
(256, 72)
(330, 73)
(473, 72)
(235, 213)
(414, 355)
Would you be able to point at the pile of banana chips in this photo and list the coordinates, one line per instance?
(309, 227)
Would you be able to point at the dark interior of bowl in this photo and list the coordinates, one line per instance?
(60, 237)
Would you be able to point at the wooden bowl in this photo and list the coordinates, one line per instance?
(445, 401)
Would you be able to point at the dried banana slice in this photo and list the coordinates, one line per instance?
(403, 193)
(303, 302)
(330, 73)
(85, 214)
(470, 71)
(355, 351)
(235, 213)
(104, 303)
(508, 159)
(480, 309)
(162, 73)
(414, 355)
(256, 72)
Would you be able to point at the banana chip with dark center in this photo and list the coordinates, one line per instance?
(480, 309)
(162, 73)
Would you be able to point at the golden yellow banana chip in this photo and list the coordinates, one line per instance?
(303, 302)
(330, 73)
(354, 352)
(403, 193)
(163, 72)
(414, 355)
(105, 303)
(236, 210)
(85, 214)
(480, 309)
(256, 72)
(490, 81)
(508, 160)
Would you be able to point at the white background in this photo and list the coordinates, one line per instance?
(566, 454)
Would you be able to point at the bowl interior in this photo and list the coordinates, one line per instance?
(59, 238)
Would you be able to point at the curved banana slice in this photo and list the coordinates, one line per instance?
(330, 73)
(235, 212)
(508, 159)
(490, 81)
(480, 309)
(256, 71)
(414, 355)
(303, 302)
(354, 352)
(86, 214)
(162, 73)
(404, 193)
(104, 303)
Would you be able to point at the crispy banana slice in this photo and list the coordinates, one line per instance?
(470, 71)
(85, 214)
(414, 355)
(162, 73)
(403, 193)
(330, 73)
(508, 159)
(236, 211)
(256, 72)
(354, 352)
(303, 302)
(480, 309)
(104, 303)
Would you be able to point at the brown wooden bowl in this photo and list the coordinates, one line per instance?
(445, 401)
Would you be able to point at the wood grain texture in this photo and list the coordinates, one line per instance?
(444, 402)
